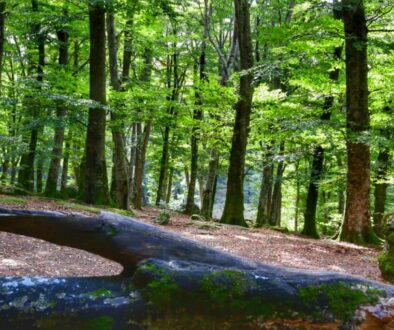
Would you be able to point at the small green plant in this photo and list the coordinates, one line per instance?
(163, 218)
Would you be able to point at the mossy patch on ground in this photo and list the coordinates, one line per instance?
(13, 200)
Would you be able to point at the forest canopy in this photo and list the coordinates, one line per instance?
(258, 112)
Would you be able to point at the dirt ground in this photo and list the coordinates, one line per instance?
(25, 256)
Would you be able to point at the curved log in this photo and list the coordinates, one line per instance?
(171, 282)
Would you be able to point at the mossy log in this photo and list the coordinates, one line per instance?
(171, 282)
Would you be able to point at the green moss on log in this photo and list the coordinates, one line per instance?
(342, 299)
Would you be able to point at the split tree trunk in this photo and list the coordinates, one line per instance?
(233, 212)
(171, 282)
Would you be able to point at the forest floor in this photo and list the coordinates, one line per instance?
(25, 256)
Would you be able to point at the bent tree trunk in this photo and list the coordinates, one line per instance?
(172, 282)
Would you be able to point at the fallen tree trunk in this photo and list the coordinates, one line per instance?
(170, 282)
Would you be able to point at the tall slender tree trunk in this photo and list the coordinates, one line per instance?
(169, 185)
(172, 75)
(66, 158)
(95, 188)
(142, 138)
(233, 212)
(318, 154)
(26, 172)
(197, 114)
(313, 193)
(297, 201)
(341, 193)
(2, 39)
(120, 181)
(39, 172)
(5, 162)
(208, 194)
(356, 225)
(380, 192)
(263, 210)
(276, 202)
(140, 166)
(162, 187)
(61, 110)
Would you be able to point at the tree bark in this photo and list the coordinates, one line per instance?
(66, 158)
(120, 180)
(26, 172)
(233, 212)
(380, 192)
(264, 207)
(318, 160)
(142, 138)
(208, 194)
(356, 225)
(197, 114)
(61, 110)
(313, 193)
(173, 83)
(2, 40)
(171, 282)
(95, 187)
(162, 187)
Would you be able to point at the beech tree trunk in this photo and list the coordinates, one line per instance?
(264, 207)
(318, 160)
(208, 193)
(233, 212)
(61, 110)
(276, 201)
(2, 38)
(66, 158)
(356, 225)
(380, 191)
(173, 84)
(171, 282)
(197, 114)
(95, 187)
(142, 138)
(26, 171)
(120, 180)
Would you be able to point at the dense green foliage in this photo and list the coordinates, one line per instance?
(162, 101)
